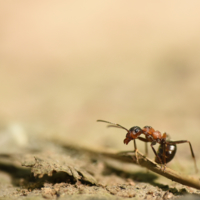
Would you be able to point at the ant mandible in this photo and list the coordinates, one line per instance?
(167, 148)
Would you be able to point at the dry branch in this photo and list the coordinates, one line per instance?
(130, 157)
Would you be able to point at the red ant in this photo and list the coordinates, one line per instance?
(167, 148)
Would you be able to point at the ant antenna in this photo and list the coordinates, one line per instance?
(113, 125)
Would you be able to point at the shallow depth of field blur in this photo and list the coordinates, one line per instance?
(65, 64)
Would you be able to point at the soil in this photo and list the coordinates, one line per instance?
(61, 172)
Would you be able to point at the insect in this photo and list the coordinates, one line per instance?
(167, 148)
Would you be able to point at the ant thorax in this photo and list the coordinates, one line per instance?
(156, 135)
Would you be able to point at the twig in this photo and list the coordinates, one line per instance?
(149, 164)
(129, 157)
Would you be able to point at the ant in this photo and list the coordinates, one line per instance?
(166, 150)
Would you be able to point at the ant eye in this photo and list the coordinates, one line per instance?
(135, 129)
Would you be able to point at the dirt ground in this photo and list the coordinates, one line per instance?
(58, 171)
(65, 64)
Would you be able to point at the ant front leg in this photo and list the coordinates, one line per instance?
(192, 152)
(136, 151)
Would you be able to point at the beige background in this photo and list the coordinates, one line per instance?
(65, 64)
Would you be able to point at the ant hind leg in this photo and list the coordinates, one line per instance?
(191, 149)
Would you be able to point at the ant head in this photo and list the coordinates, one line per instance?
(133, 133)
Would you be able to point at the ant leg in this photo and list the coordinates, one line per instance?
(146, 150)
(135, 146)
(164, 156)
(146, 154)
(153, 143)
(136, 150)
(192, 152)
(146, 147)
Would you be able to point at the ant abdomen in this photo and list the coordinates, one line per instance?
(170, 151)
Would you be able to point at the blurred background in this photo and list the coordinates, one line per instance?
(65, 64)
